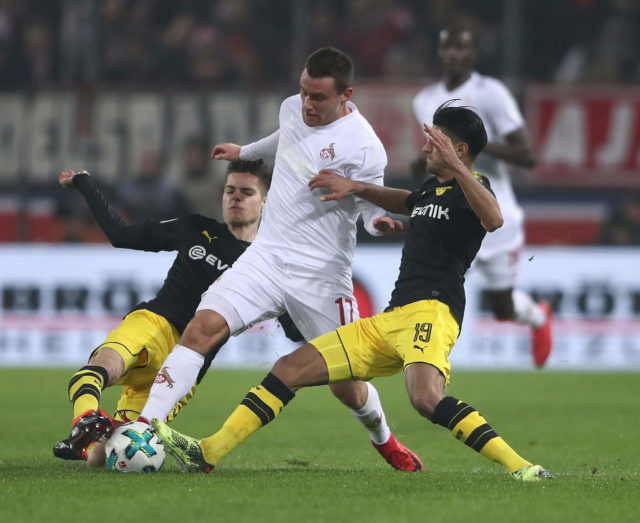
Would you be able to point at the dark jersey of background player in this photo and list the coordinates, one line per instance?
(444, 237)
(206, 248)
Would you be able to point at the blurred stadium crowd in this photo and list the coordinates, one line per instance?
(258, 46)
(248, 43)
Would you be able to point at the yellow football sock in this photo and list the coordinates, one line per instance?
(499, 451)
(467, 425)
(85, 388)
(261, 405)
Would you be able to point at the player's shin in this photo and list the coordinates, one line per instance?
(372, 416)
(174, 381)
(260, 406)
(467, 425)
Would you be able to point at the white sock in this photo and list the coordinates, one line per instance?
(174, 381)
(526, 310)
(372, 417)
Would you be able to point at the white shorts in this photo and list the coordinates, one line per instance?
(498, 272)
(261, 286)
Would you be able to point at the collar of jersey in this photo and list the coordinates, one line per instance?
(354, 110)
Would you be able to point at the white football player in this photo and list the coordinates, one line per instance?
(301, 258)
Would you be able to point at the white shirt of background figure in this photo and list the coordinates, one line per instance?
(499, 111)
(295, 222)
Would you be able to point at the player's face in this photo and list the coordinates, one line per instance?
(242, 200)
(456, 51)
(321, 103)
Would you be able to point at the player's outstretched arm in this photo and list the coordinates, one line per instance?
(119, 232)
(263, 149)
(392, 200)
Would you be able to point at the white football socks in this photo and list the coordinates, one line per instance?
(372, 417)
(174, 381)
(526, 310)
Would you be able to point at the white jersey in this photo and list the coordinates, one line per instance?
(499, 111)
(296, 226)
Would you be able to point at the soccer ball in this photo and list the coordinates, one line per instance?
(134, 447)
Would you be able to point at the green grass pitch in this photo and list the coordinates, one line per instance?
(315, 463)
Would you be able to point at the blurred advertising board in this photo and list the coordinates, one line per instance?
(58, 303)
(585, 136)
(108, 132)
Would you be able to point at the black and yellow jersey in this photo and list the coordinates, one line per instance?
(443, 238)
(205, 247)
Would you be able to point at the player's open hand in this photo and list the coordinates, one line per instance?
(337, 184)
(226, 151)
(387, 225)
(66, 178)
(443, 144)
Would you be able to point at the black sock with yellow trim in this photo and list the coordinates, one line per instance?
(260, 406)
(85, 388)
(467, 425)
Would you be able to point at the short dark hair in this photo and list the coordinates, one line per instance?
(258, 168)
(329, 61)
(464, 123)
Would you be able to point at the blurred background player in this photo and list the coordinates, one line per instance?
(449, 216)
(133, 354)
(508, 142)
(301, 259)
(199, 182)
(168, 200)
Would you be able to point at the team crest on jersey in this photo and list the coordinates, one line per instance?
(441, 190)
(328, 152)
